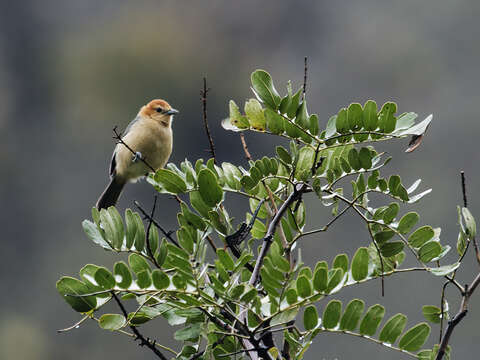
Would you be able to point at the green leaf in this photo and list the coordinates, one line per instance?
(225, 259)
(360, 264)
(112, 321)
(67, 286)
(263, 86)
(387, 120)
(313, 124)
(470, 224)
(354, 160)
(445, 269)
(170, 181)
(210, 191)
(370, 119)
(391, 248)
(283, 154)
(122, 275)
(310, 317)
(461, 243)
(236, 118)
(393, 184)
(383, 236)
(179, 282)
(160, 279)
(352, 315)
(335, 277)
(414, 338)
(254, 112)
(292, 109)
(320, 279)
(372, 319)
(131, 228)
(191, 332)
(341, 261)
(304, 163)
(275, 122)
(198, 203)
(429, 251)
(331, 314)
(365, 158)
(285, 316)
(355, 116)
(162, 253)
(104, 278)
(140, 234)
(407, 222)
(304, 288)
(144, 279)
(421, 236)
(94, 234)
(291, 296)
(390, 213)
(138, 263)
(342, 121)
(331, 129)
(393, 328)
(432, 313)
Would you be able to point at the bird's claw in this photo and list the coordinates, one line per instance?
(137, 157)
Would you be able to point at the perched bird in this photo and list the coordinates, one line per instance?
(149, 135)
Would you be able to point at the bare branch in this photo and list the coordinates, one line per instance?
(203, 95)
(245, 148)
(167, 234)
(305, 78)
(143, 341)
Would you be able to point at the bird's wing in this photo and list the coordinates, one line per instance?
(113, 164)
(133, 122)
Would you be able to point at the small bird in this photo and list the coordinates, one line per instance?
(149, 135)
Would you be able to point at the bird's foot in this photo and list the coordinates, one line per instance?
(137, 157)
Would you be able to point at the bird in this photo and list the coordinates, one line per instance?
(150, 139)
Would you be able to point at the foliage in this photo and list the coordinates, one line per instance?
(216, 296)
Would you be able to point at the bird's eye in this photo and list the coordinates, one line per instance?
(159, 110)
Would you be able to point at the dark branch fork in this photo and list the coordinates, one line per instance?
(143, 341)
(167, 234)
(466, 293)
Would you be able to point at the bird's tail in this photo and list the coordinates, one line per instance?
(111, 194)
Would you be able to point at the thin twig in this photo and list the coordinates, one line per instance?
(464, 191)
(203, 95)
(143, 341)
(305, 78)
(118, 137)
(147, 234)
(167, 234)
(245, 147)
(74, 326)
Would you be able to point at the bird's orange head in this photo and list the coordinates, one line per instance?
(158, 110)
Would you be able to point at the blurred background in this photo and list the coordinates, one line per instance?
(72, 70)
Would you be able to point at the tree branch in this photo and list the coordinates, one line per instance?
(203, 94)
(245, 148)
(167, 234)
(143, 341)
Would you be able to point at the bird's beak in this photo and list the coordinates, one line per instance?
(172, 112)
